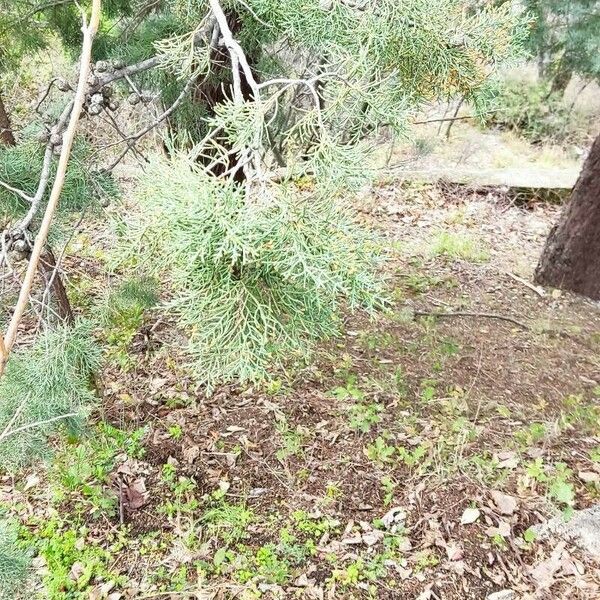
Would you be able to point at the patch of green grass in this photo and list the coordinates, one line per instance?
(420, 283)
(80, 471)
(400, 383)
(378, 340)
(485, 468)
(313, 526)
(349, 390)
(182, 500)
(79, 289)
(426, 559)
(428, 390)
(582, 414)
(459, 246)
(530, 435)
(228, 522)
(124, 315)
(388, 487)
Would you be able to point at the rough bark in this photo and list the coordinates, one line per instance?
(6, 134)
(571, 258)
(561, 80)
(48, 270)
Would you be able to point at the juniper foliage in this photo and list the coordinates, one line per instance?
(254, 283)
(261, 269)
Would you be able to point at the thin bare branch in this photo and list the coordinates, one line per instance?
(16, 191)
(133, 139)
(5, 434)
(89, 32)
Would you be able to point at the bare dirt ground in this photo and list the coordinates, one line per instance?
(410, 460)
(484, 157)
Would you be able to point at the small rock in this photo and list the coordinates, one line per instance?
(583, 529)
(504, 503)
(470, 516)
(77, 570)
(371, 538)
(501, 595)
(589, 476)
(395, 515)
(302, 581)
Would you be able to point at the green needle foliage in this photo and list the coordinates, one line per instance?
(254, 282)
(21, 166)
(14, 562)
(42, 383)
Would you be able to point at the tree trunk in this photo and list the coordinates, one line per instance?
(6, 134)
(47, 269)
(560, 81)
(571, 258)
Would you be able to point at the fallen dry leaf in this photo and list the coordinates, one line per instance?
(454, 551)
(543, 573)
(191, 453)
(137, 494)
(589, 476)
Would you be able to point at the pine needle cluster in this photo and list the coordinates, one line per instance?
(14, 562)
(21, 166)
(43, 384)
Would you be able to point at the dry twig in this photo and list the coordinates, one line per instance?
(75, 107)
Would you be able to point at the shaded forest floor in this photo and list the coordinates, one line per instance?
(410, 460)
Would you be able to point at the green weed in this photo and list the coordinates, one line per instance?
(228, 522)
(292, 440)
(380, 451)
(349, 390)
(364, 416)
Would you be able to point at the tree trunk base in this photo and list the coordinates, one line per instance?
(571, 258)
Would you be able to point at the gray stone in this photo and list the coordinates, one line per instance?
(501, 595)
(583, 530)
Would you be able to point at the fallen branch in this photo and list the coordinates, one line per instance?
(449, 315)
(534, 288)
(89, 32)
